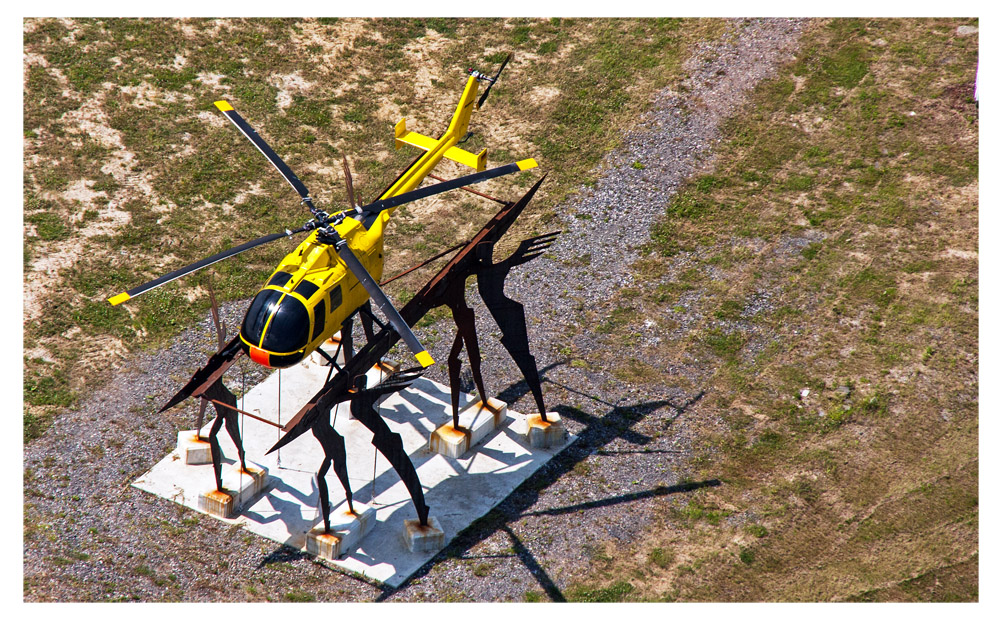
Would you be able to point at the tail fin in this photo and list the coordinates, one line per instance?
(460, 121)
(456, 131)
(459, 126)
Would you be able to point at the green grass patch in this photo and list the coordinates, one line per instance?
(726, 345)
(35, 425)
(49, 226)
(45, 385)
(871, 285)
(615, 593)
(662, 557)
(695, 511)
(300, 596)
(729, 310)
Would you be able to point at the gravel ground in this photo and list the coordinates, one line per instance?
(89, 536)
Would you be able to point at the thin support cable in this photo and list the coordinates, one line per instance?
(279, 414)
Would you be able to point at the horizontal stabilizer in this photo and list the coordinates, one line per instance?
(475, 161)
(456, 154)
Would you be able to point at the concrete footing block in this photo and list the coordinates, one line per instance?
(347, 529)
(543, 434)
(323, 544)
(239, 487)
(475, 422)
(193, 449)
(423, 538)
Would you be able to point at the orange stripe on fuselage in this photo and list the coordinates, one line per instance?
(260, 356)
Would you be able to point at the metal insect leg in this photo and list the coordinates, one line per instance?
(465, 321)
(332, 360)
(230, 417)
(213, 445)
(347, 338)
(335, 452)
(390, 445)
(366, 321)
(454, 376)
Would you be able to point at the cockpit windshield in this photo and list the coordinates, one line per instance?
(256, 318)
(288, 331)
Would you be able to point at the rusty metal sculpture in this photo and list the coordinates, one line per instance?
(363, 402)
(333, 275)
(437, 292)
(447, 287)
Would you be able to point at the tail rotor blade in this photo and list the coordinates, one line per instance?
(190, 268)
(486, 93)
(262, 146)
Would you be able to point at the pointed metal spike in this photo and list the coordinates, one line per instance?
(220, 328)
(349, 181)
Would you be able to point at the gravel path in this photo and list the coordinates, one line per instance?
(89, 536)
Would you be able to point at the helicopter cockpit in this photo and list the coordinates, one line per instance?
(279, 326)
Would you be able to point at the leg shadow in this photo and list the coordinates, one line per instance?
(597, 432)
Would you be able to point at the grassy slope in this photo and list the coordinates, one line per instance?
(130, 178)
(867, 148)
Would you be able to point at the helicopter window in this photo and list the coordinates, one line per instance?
(319, 318)
(306, 288)
(289, 329)
(260, 310)
(279, 279)
(336, 298)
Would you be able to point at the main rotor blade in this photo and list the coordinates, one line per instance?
(373, 209)
(262, 146)
(382, 301)
(218, 257)
(482, 99)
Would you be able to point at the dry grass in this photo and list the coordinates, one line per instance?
(848, 194)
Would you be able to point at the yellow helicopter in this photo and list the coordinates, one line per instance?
(331, 275)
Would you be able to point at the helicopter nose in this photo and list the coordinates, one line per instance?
(261, 357)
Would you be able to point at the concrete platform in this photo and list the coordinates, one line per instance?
(458, 491)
